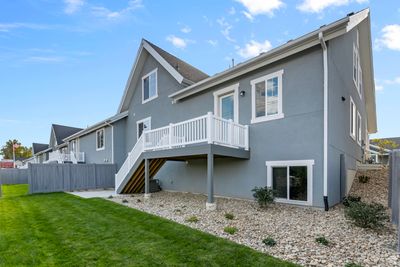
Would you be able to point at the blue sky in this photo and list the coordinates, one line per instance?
(67, 62)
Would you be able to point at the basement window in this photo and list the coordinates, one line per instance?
(291, 180)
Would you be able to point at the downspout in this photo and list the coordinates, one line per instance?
(112, 141)
(325, 164)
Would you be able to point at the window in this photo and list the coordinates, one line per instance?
(292, 180)
(267, 97)
(149, 86)
(100, 139)
(355, 64)
(226, 103)
(359, 128)
(360, 83)
(352, 119)
(142, 126)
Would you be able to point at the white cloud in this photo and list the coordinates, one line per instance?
(72, 6)
(177, 41)
(212, 42)
(317, 6)
(6, 27)
(45, 59)
(390, 37)
(106, 13)
(186, 29)
(261, 7)
(232, 11)
(254, 48)
(226, 29)
(394, 81)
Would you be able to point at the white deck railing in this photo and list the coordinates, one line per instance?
(204, 129)
(66, 157)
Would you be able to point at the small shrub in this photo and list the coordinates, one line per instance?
(349, 199)
(322, 240)
(366, 215)
(192, 219)
(229, 216)
(352, 264)
(230, 230)
(269, 241)
(125, 201)
(263, 195)
(363, 179)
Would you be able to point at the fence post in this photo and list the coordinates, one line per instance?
(170, 134)
(30, 178)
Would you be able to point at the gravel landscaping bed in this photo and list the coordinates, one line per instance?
(293, 228)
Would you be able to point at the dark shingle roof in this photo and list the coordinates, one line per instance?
(61, 132)
(37, 147)
(186, 70)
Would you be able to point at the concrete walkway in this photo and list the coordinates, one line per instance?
(94, 193)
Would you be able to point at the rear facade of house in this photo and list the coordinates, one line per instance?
(281, 101)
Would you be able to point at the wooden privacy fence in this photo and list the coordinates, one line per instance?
(13, 176)
(45, 178)
(394, 188)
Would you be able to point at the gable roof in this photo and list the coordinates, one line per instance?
(97, 126)
(37, 147)
(181, 71)
(330, 31)
(61, 132)
(186, 70)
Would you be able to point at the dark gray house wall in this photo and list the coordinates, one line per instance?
(120, 152)
(87, 144)
(298, 136)
(341, 84)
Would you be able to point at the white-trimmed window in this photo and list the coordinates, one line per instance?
(149, 86)
(100, 144)
(142, 126)
(292, 180)
(360, 83)
(352, 119)
(359, 137)
(226, 103)
(266, 97)
(355, 65)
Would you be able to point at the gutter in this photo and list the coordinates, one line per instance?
(325, 157)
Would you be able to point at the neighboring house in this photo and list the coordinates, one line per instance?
(381, 155)
(40, 152)
(294, 118)
(103, 142)
(6, 164)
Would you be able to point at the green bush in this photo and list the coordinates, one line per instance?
(322, 240)
(269, 241)
(349, 199)
(230, 230)
(352, 264)
(192, 219)
(263, 195)
(366, 215)
(363, 179)
(229, 216)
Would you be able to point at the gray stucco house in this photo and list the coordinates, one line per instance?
(296, 118)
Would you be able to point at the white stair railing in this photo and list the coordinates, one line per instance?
(129, 162)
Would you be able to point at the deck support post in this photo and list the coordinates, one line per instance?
(210, 205)
(146, 179)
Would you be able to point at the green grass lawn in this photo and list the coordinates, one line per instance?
(63, 230)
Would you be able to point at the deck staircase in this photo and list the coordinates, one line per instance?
(207, 129)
